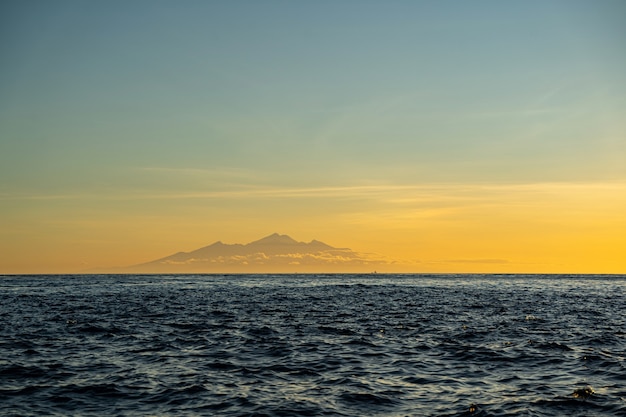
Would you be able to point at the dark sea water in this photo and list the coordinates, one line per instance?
(313, 345)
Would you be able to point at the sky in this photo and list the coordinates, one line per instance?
(445, 136)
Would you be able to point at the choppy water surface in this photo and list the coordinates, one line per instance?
(313, 345)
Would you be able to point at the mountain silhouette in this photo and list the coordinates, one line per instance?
(273, 253)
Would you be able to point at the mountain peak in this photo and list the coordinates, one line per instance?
(320, 245)
(273, 253)
(275, 239)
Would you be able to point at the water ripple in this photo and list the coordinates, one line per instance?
(326, 345)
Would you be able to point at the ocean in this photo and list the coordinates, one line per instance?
(313, 345)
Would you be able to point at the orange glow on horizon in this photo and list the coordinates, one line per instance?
(543, 228)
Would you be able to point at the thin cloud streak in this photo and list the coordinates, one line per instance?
(434, 191)
(210, 172)
(476, 261)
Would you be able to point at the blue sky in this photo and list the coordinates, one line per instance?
(112, 98)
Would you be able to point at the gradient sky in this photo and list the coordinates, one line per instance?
(448, 136)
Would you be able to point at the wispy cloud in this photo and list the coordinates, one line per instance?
(476, 261)
(333, 257)
(389, 193)
(217, 172)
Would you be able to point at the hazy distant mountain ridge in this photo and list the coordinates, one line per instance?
(273, 253)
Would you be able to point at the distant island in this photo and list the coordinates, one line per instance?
(273, 253)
